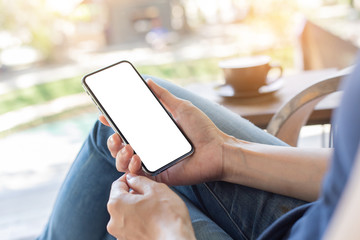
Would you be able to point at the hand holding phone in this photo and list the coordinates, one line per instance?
(134, 112)
(206, 164)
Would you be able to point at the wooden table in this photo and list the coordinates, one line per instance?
(259, 110)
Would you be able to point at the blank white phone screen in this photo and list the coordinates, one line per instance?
(138, 115)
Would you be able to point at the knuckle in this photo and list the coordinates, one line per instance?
(109, 146)
(185, 107)
(136, 181)
(114, 184)
(111, 227)
(114, 188)
(186, 104)
(111, 206)
(120, 166)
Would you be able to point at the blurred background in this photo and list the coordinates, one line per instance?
(46, 46)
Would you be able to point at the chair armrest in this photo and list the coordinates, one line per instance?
(293, 115)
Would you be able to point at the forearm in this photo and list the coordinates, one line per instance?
(294, 172)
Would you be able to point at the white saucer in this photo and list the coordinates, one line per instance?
(228, 91)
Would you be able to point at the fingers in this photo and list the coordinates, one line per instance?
(114, 144)
(103, 120)
(136, 183)
(123, 158)
(126, 160)
(135, 165)
(140, 184)
(119, 187)
(165, 97)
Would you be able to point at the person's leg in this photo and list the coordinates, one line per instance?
(80, 209)
(239, 211)
(203, 225)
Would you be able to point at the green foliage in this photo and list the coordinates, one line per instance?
(41, 40)
(181, 73)
(185, 72)
(39, 94)
(31, 23)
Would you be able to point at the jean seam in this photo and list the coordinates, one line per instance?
(223, 207)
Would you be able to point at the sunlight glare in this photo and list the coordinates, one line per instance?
(62, 7)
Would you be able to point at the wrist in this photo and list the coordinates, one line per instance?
(234, 156)
(179, 229)
(176, 222)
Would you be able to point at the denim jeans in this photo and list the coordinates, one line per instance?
(218, 210)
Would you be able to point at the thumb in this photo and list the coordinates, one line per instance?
(168, 99)
(103, 120)
(139, 184)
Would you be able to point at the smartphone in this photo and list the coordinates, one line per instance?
(137, 115)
